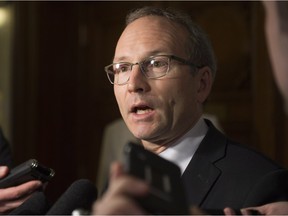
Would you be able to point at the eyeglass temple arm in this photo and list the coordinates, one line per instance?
(185, 61)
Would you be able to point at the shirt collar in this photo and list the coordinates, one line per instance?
(182, 151)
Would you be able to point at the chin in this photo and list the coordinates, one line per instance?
(143, 131)
(141, 135)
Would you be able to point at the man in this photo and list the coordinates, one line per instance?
(162, 73)
(276, 28)
(11, 198)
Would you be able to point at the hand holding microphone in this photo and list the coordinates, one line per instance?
(18, 185)
(80, 195)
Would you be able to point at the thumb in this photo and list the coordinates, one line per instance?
(116, 170)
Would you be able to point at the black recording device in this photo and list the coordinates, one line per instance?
(29, 170)
(166, 194)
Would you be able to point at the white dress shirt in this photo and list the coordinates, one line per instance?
(182, 151)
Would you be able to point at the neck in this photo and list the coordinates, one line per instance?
(162, 145)
(155, 148)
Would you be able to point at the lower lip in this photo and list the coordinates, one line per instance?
(144, 116)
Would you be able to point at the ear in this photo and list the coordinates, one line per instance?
(205, 81)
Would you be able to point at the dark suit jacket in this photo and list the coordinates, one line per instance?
(223, 173)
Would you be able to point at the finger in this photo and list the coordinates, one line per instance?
(4, 170)
(247, 211)
(8, 206)
(116, 170)
(14, 193)
(129, 186)
(118, 205)
(229, 211)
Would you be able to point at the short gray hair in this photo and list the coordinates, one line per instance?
(200, 50)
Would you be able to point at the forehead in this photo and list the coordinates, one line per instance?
(151, 35)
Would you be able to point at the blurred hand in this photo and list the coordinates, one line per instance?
(12, 197)
(275, 208)
(120, 196)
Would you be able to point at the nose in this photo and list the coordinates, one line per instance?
(137, 81)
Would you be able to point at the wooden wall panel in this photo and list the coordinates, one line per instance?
(63, 100)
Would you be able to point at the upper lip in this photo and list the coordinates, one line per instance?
(136, 106)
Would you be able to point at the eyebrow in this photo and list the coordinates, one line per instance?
(148, 54)
(122, 58)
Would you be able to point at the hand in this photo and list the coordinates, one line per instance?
(119, 197)
(275, 208)
(12, 197)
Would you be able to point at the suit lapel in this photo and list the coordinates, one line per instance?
(201, 173)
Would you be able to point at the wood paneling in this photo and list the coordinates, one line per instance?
(63, 100)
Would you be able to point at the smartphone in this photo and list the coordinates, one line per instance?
(29, 170)
(166, 194)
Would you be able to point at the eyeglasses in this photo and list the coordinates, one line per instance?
(153, 67)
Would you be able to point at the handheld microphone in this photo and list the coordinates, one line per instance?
(36, 205)
(80, 195)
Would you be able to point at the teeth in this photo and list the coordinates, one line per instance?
(142, 111)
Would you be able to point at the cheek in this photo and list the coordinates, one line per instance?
(174, 100)
(119, 95)
(116, 94)
(185, 97)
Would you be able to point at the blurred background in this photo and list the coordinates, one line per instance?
(55, 99)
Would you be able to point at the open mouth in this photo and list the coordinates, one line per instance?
(141, 110)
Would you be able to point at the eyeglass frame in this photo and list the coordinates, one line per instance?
(170, 57)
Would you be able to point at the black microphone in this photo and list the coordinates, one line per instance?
(80, 195)
(36, 205)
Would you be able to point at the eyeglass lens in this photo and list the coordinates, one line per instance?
(153, 67)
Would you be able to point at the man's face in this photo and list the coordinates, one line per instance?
(158, 110)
